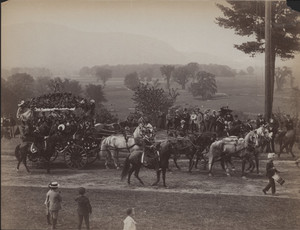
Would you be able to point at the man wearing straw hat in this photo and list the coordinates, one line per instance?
(271, 170)
(53, 201)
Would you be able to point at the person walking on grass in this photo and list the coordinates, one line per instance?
(129, 222)
(53, 202)
(271, 170)
(84, 208)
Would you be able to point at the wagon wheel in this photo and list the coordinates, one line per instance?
(76, 157)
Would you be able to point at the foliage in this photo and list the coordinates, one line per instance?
(218, 70)
(103, 74)
(281, 75)
(204, 86)
(22, 85)
(193, 68)
(151, 100)
(66, 85)
(132, 80)
(9, 99)
(181, 75)
(246, 18)
(146, 74)
(95, 92)
(295, 101)
(41, 86)
(167, 70)
(104, 116)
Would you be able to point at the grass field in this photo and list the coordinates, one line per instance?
(192, 201)
(154, 210)
(244, 94)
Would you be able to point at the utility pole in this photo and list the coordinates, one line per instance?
(268, 59)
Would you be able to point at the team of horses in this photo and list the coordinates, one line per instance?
(205, 147)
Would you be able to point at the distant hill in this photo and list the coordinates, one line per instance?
(60, 48)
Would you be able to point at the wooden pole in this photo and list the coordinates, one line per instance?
(268, 65)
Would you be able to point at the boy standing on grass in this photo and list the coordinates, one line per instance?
(47, 205)
(129, 222)
(53, 201)
(84, 208)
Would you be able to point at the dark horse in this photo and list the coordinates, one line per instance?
(286, 141)
(44, 152)
(133, 162)
(193, 147)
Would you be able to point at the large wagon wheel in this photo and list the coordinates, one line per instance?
(76, 157)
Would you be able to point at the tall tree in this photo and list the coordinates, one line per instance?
(132, 80)
(247, 18)
(95, 92)
(181, 75)
(281, 75)
(22, 84)
(193, 69)
(204, 86)
(72, 86)
(41, 86)
(103, 74)
(167, 70)
(151, 100)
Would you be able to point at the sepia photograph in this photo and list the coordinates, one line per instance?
(150, 114)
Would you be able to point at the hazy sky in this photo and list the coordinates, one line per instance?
(185, 25)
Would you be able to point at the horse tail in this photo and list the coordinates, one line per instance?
(103, 148)
(18, 153)
(125, 168)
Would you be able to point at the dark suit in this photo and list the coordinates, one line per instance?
(270, 173)
(84, 209)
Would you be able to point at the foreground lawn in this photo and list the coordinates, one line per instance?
(22, 208)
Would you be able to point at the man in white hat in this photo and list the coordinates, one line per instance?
(271, 170)
(53, 201)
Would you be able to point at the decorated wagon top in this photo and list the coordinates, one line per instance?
(54, 102)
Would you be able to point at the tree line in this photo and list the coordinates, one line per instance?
(22, 86)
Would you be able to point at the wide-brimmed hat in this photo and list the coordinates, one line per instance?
(53, 185)
(271, 155)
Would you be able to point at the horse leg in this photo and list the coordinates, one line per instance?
(25, 163)
(157, 177)
(164, 176)
(291, 149)
(210, 165)
(175, 162)
(257, 163)
(136, 173)
(243, 167)
(115, 157)
(131, 170)
(191, 164)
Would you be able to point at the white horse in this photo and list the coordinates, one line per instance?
(111, 145)
(223, 150)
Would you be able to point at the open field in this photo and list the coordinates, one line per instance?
(244, 94)
(191, 201)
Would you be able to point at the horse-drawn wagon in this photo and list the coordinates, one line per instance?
(61, 123)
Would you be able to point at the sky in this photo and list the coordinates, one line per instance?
(187, 26)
